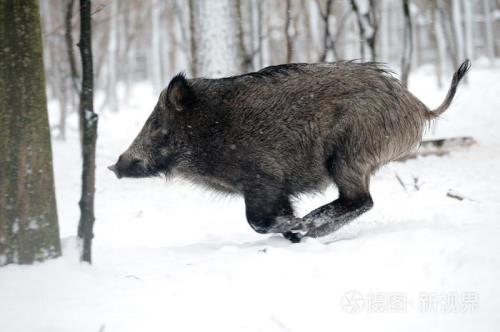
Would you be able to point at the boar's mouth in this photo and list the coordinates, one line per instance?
(138, 169)
(163, 166)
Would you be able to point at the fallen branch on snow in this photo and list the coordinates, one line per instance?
(440, 147)
(458, 196)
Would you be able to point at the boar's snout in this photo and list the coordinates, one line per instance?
(113, 169)
(128, 167)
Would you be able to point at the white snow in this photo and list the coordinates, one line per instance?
(173, 257)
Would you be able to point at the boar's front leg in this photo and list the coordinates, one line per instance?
(269, 211)
(354, 200)
(330, 217)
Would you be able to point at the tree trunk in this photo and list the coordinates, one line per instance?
(89, 120)
(29, 228)
(437, 41)
(172, 39)
(367, 25)
(458, 30)
(408, 44)
(288, 37)
(488, 28)
(386, 30)
(451, 46)
(74, 75)
(68, 37)
(63, 111)
(193, 49)
(469, 29)
(111, 95)
(307, 31)
(260, 22)
(216, 51)
(247, 53)
(157, 61)
(328, 42)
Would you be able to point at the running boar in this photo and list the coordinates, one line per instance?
(283, 131)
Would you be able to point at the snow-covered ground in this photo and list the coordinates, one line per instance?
(172, 257)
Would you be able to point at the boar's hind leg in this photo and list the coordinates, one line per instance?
(354, 200)
(270, 211)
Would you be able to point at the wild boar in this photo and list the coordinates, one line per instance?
(282, 131)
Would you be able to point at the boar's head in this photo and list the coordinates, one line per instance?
(155, 149)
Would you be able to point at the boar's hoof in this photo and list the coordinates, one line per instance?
(293, 237)
(293, 229)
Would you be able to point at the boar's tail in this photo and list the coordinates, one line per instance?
(459, 74)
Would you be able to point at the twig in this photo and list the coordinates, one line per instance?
(61, 27)
(455, 195)
(415, 183)
(401, 182)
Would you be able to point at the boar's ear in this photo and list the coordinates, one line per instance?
(179, 93)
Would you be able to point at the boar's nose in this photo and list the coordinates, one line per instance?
(114, 170)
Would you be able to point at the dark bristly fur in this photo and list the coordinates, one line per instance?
(282, 131)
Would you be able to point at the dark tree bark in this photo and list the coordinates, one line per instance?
(246, 54)
(68, 37)
(373, 20)
(436, 43)
(28, 215)
(368, 26)
(408, 44)
(444, 9)
(288, 37)
(74, 76)
(89, 121)
(192, 38)
(328, 41)
(260, 22)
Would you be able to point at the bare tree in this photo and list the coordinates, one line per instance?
(469, 28)
(153, 38)
(249, 33)
(172, 38)
(29, 228)
(260, 40)
(488, 28)
(445, 19)
(328, 41)
(89, 121)
(245, 22)
(216, 38)
(192, 38)
(458, 35)
(408, 44)
(111, 68)
(368, 26)
(68, 37)
(288, 36)
(436, 36)
(157, 62)
(74, 75)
